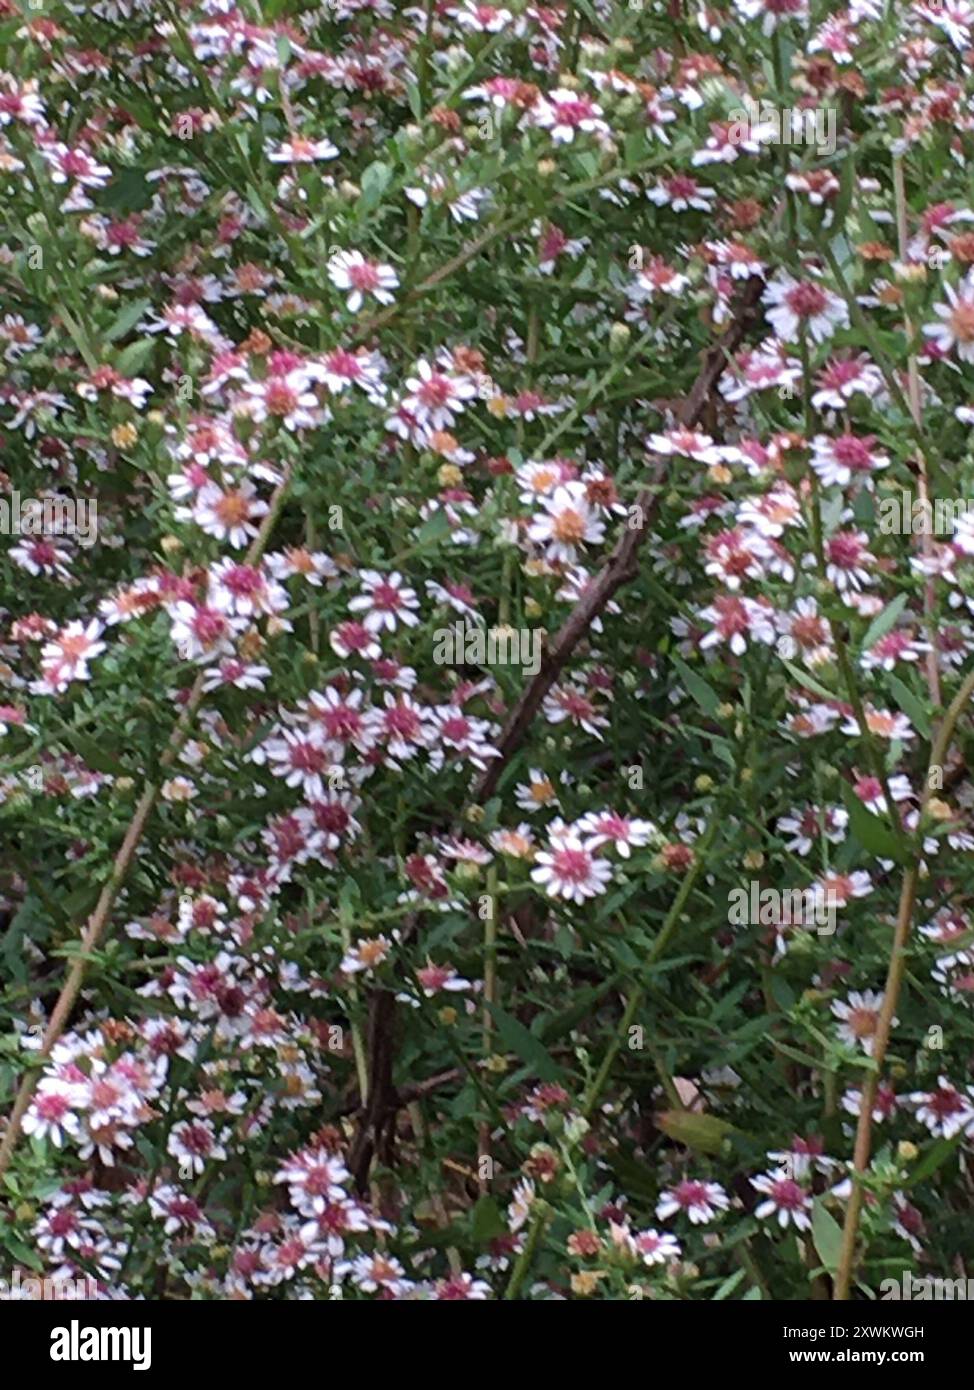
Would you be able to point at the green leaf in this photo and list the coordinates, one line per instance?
(589, 162)
(487, 1221)
(22, 1254)
(826, 1235)
(559, 1024)
(782, 992)
(833, 506)
(129, 191)
(633, 1176)
(94, 754)
(704, 695)
(126, 319)
(257, 203)
(884, 621)
(134, 356)
(841, 250)
(910, 705)
(31, 921)
(810, 683)
(349, 901)
(864, 510)
(704, 1133)
(871, 832)
(530, 1049)
(935, 1156)
(375, 181)
(804, 1059)
(846, 188)
(82, 900)
(729, 1285)
(434, 529)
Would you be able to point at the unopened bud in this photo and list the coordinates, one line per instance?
(619, 335)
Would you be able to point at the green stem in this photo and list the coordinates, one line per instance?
(891, 994)
(655, 952)
(520, 1270)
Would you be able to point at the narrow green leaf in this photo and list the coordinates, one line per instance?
(729, 1285)
(94, 754)
(23, 1254)
(487, 1221)
(702, 693)
(826, 1235)
(809, 682)
(871, 832)
(375, 181)
(884, 621)
(434, 529)
(126, 319)
(516, 1038)
(935, 1156)
(910, 705)
(704, 1133)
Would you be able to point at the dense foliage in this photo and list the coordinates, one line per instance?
(484, 792)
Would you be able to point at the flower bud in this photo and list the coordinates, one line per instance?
(619, 335)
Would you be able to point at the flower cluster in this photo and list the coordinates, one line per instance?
(472, 504)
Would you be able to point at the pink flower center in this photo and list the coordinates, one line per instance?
(691, 1194)
(103, 1095)
(572, 865)
(456, 728)
(364, 276)
(75, 163)
(342, 722)
(279, 398)
(354, 636)
(852, 452)
(403, 721)
(196, 1140)
(572, 113)
(681, 186)
(386, 596)
(62, 1223)
(305, 757)
(343, 363)
(845, 550)
(332, 817)
(806, 300)
(437, 391)
(945, 1102)
(208, 625)
(788, 1194)
(243, 580)
(52, 1106)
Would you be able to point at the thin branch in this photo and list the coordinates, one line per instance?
(622, 564)
(891, 994)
